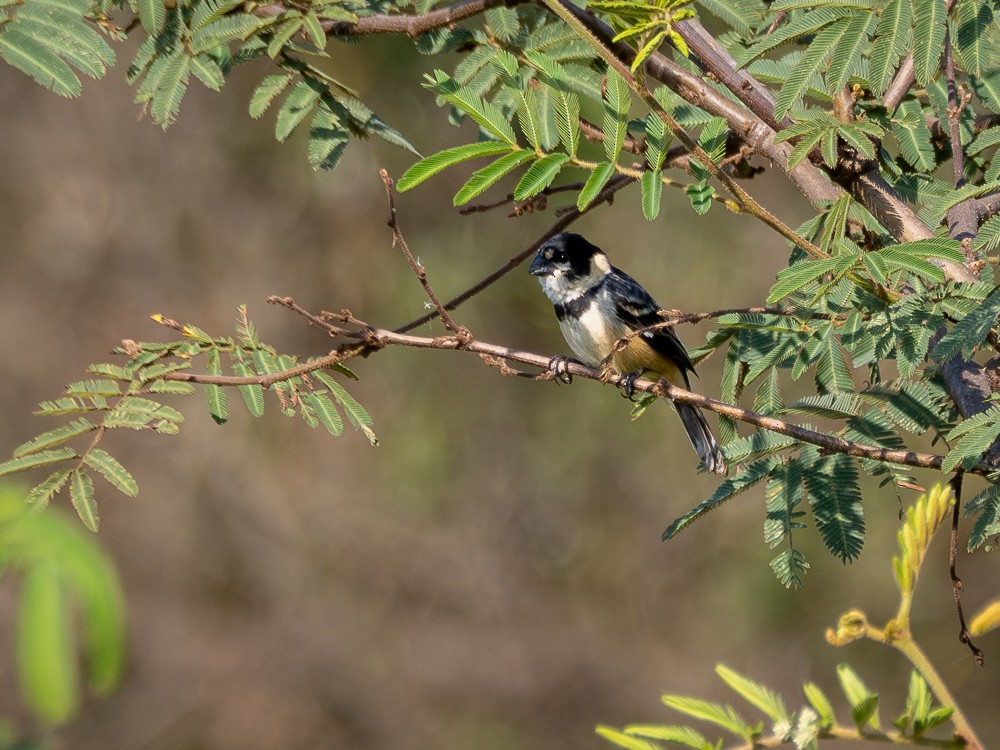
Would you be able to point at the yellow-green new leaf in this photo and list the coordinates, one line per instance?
(986, 619)
(759, 695)
(44, 646)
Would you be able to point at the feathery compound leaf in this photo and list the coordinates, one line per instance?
(922, 519)
(846, 57)
(81, 494)
(975, 21)
(355, 412)
(913, 136)
(803, 273)
(483, 179)
(297, 106)
(929, 18)
(253, 394)
(32, 460)
(152, 15)
(567, 110)
(170, 89)
(977, 434)
(42, 493)
(760, 696)
(652, 189)
(594, 184)
(326, 413)
(892, 41)
(539, 176)
(110, 468)
(218, 405)
(714, 713)
(621, 739)
(266, 92)
(820, 703)
(616, 106)
(971, 331)
(987, 619)
(802, 25)
(54, 437)
(864, 703)
(32, 57)
(822, 46)
(835, 499)
(680, 735)
(729, 489)
(987, 505)
(489, 117)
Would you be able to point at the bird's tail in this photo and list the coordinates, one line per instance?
(701, 438)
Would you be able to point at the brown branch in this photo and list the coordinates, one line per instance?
(418, 269)
(954, 112)
(369, 339)
(956, 583)
(398, 24)
(901, 84)
(615, 184)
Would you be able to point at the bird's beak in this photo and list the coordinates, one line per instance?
(540, 267)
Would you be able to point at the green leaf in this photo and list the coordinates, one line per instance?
(283, 33)
(483, 179)
(112, 470)
(170, 90)
(595, 184)
(355, 412)
(668, 733)
(43, 492)
(836, 502)
(803, 273)
(892, 41)
(54, 437)
(714, 713)
(762, 697)
(208, 72)
(326, 413)
(297, 106)
(44, 646)
(733, 486)
(489, 117)
(616, 107)
(218, 405)
(971, 331)
(81, 493)
(253, 394)
(314, 30)
(812, 61)
(152, 15)
(914, 138)
(864, 703)
(42, 458)
(567, 111)
(32, 57)
(846, 57)
(700, 194)
(820, 703)
(973, 43)
(987, 505)
(621, 739)
(539, 176)
(652, 189)
(266, 92)
(929, 18)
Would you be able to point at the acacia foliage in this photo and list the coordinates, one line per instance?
(895, 101)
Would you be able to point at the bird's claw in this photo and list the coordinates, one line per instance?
(627, 383)
(559, 367)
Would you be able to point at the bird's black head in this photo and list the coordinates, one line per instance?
(567, 253)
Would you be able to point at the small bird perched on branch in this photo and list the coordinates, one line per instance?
(597, 305)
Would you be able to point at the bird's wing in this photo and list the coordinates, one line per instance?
(638, 309)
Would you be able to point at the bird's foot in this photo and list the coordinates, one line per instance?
(559, 367)
(627, 383)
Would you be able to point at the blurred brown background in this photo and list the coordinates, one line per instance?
(492, 575)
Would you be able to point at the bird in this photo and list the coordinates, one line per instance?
(597, 305)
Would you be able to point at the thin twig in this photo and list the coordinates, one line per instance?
(417, 266)
(954, 112)
(956, 583)
(615, 184)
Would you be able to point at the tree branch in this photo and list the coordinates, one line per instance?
(399, 24)
(368, 339)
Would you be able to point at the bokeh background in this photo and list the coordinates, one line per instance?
(492, 575)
